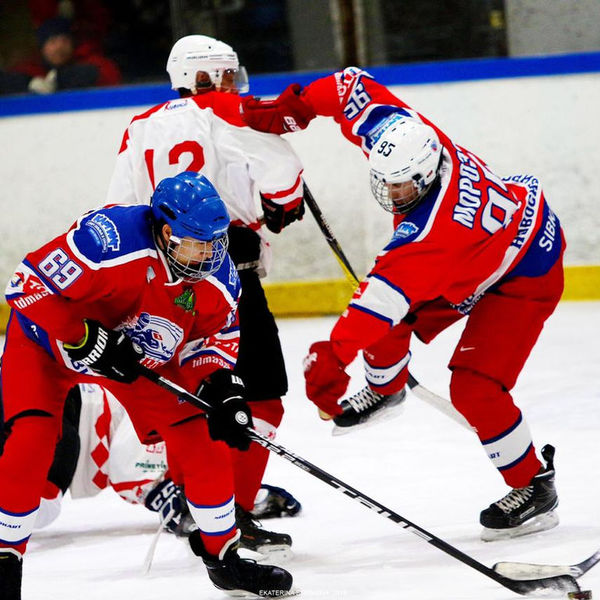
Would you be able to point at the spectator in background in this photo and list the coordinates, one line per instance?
(62, 64)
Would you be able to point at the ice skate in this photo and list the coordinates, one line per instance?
(526, 510)
(11, 572)
(274, 502)
(269, 544)
(366, 408)
(242, 577)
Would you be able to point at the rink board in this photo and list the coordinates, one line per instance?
(330, 296)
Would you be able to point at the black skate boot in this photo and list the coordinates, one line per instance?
(274, 502)
(242, 577)
(524, 510)
(275, 546)
(11, 572)
(366, 408)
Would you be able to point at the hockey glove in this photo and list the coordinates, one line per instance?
(107, 352)
(168, 501)
(230, 416)
(278, 216)
(289, 112)
(326, 380)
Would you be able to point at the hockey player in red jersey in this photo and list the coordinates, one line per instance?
(466, 243)
(203, 131)
(126, 285)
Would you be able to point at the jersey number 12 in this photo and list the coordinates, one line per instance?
(187, 147)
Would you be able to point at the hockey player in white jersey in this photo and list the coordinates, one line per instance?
(99, 449)
(203, 131)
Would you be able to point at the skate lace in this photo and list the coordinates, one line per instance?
(515, 499)
(364, 399)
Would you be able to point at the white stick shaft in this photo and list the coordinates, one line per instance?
(437, 402)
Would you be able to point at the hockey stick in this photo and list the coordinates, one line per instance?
(152, 549)
(441, 404)
(418, 390)
(518, 570)
(563, 583)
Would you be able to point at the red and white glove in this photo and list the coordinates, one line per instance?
(326, 380)
(288, 112)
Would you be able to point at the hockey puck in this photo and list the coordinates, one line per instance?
(581, 595)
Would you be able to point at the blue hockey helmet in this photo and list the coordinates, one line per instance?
(198, 219)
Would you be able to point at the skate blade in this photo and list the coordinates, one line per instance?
(536, 524)
(385, 414)
(294, 591)
(274, 554)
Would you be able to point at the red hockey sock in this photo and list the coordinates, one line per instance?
(24, 465)
(500, 425)
(249, 466)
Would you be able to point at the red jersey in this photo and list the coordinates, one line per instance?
(107, 267)
(472, 230)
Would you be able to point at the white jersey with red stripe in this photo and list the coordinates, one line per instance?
(111, 454)
(205, 133)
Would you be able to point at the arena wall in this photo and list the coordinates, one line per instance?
(57, 165)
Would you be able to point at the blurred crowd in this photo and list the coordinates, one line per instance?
(52, 45)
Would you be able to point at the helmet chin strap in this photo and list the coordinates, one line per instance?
(160, 243)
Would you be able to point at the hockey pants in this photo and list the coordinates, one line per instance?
(261, 365)
(33, 389)
(498, 337)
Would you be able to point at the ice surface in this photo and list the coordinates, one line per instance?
(422, 465)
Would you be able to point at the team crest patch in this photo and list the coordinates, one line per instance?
(157, 336)
(405, 230)
(106, 231)
(187, 300)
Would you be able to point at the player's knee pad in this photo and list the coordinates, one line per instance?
(6, 427)
(29, 433)
(469, 387)
(483, 401)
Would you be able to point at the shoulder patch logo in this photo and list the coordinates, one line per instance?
(106, 231)
(404, 230)
(175, 104)
(187, 300)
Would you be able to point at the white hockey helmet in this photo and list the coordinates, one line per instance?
(194, 53)
(404, 162)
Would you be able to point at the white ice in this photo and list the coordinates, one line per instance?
(422, 465)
